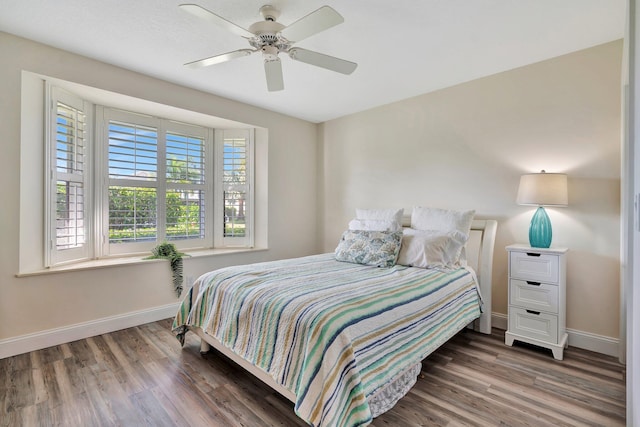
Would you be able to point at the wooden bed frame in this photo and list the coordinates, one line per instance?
(479, 254)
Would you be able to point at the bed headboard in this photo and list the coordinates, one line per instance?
(479, 249)
(479, 252)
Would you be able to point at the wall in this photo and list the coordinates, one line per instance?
(465, 147)
(32, 305)
(462, 147)
(631, 296)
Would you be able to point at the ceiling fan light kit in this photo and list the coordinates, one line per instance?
(272, 38)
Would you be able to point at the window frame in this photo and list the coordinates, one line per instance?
(105, 115)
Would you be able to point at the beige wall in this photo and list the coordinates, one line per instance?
(465, 147)
(34, 304)
(462, 147)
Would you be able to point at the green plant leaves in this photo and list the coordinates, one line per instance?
(169, 251)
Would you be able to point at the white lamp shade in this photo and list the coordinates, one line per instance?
(543, 189)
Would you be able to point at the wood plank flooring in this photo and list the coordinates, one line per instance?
(141, 377)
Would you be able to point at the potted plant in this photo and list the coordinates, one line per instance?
(168, 251)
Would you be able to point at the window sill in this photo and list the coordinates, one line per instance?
(132, 260)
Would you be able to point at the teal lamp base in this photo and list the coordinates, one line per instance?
(540, 229)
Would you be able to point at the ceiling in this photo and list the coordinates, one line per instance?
(403, 48)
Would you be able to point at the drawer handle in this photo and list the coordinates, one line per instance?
(533, 283)
(533, 254)
(533, 312)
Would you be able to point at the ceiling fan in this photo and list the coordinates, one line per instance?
(271, 38)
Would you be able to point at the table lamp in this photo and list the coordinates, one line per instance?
(542, 189)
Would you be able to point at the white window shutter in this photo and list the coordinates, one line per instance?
(235, 187)
(132, 193)
(186, 184)
(68, 197)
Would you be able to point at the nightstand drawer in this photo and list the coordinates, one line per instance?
(534, 266)
(533, 324)
(534, 295)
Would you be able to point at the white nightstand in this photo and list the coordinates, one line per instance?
(537, 295)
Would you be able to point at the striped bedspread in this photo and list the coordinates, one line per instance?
(333, 333)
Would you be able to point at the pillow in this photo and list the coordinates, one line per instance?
(444, 220)
(381, 215)
(375, 248)
(431, 248)
(374, 225)
(441, 219)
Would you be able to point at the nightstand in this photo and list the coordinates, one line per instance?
(537, 295)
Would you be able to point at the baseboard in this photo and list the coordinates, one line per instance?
(500, 321)
(30, 342)
(598, 343)
(39, 340)
(580, 339)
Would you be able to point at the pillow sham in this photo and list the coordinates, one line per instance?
(431, 248)
(374, 225)
(441, 219)
(381, 215)
(374, 248)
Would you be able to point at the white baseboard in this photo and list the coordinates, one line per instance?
(36, 341)
(500, 321)
(598, 343)
(30, 342)
(580, 339)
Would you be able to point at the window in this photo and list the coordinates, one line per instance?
(234, 188)
(159, 184)
(155, 180)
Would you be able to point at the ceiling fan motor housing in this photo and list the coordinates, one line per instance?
(267, 37)
(270, 53)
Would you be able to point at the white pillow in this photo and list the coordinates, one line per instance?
(381, 215)
(431, 248)
(441, 219)
(374, 225)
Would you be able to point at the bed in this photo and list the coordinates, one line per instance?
(343, 341)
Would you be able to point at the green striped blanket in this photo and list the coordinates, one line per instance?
(333, 333)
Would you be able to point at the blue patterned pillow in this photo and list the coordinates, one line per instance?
(375, 248)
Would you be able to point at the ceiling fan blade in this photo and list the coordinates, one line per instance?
(273, 71)
(203, 13)
(311, 24)
(321, 60)
(219, 58)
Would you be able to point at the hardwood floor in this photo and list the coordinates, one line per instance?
(140, 376)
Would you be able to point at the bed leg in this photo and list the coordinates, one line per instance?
(204, 347)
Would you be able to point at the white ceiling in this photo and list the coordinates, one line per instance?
(403, 47)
